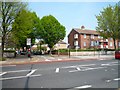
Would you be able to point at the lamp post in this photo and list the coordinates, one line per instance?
(76, 49)
(68, 50)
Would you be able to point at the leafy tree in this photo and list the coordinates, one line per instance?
(51, 31)
(8, 11)
(108, 25)
(22, 26)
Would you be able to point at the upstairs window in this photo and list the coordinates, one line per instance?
(92, 43)
(98, 36)
(84, 43)
(111, 44)
(75, 43)
(84, 35)
(92, 36)
(119, 44)
(75, 35)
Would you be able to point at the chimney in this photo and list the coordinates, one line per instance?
(82, 27)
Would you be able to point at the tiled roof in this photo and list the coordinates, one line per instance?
(84, 31)
(62, 42)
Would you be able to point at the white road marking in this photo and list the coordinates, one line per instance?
(106, 70)
(47, 60)
(3, 73)
(9, 78)
(78, 65)
(57, 70)
(117, 79)
(101, 59)
(8, 66)
(78, 68)
(113, 69)
(87, 65)
(105, 64)
(113, 62)
(108, 81)
(83, 87)
(87, 69)
(69, 67)
(17, 71)
(31, 72)
(59, 59)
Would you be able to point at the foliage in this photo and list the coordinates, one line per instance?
(10, 51)
(108, 25)
(8, 11)
(2, 59)
(24, 27)
(51, 31)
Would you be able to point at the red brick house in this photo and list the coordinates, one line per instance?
(84, 39)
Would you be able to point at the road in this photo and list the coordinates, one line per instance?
(72, 75)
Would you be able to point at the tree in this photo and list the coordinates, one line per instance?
(108, 25)
(51, 31)
(8, 12)
(24, 27)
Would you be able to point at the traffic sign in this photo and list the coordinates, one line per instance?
(28, 41)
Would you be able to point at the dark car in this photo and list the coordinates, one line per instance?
(22, 53)
(117, 54)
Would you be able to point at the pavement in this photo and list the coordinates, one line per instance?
(23, 59)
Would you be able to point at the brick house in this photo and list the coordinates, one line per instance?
(86, 39)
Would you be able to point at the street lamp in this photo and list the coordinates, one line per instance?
(76, 49)
(68, 46)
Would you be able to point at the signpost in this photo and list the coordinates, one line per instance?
(29, 41)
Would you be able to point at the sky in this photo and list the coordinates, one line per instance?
(71, 14)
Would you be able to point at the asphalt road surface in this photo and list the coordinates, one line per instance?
(72, 75)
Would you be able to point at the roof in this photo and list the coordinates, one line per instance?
(62, 42)
(86, 31)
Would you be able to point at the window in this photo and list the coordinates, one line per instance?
(76, 43)
(110, 38)
(98, 36)
(101, 37)
(119, 44)
(84, 43)
(92, 36)
(92, 43)
(84, 35)
(106, 40)
(75, 35)
(111, 44)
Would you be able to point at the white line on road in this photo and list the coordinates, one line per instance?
(59, 59)
(31, 72)
(78, 68)
(87, 69)
(9, 78)
(83, 87)
(3, 73)
(78, 65)
(8, 66)
(57, 70)
(17, 71)
(105, 64)
(101, 59)
(117, 79)
(47, 60)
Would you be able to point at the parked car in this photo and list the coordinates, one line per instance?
(117, 54)
(23, 53)
(37, 53)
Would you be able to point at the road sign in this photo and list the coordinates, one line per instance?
(28, 41)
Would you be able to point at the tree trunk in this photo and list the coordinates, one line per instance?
(3, 40)
(114, 43)
(50, 51)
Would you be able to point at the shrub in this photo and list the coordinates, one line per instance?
(2, 59)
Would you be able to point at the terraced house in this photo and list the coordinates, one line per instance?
(86, 39)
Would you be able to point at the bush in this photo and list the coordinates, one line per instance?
(2, 59)
(10, 51)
